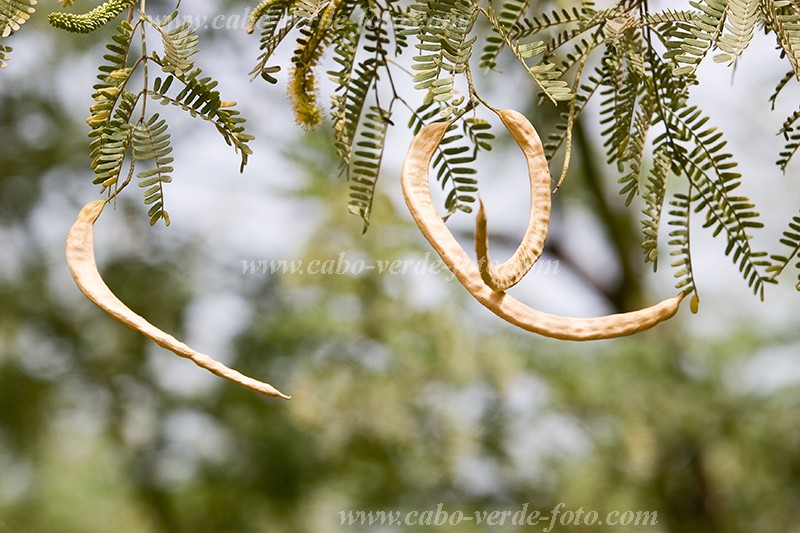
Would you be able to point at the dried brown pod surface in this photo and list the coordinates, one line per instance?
(81, 261)
(505, 275)
(416, 191)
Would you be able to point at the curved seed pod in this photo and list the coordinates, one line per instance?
(416, 191)
(505, 275)
(94, 19)
(80, 258)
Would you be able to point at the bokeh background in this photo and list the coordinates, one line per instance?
(407, 394)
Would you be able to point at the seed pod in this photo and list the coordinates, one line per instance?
(416, 191)
(80, 258)
(505, 275)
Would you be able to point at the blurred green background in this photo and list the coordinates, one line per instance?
(406, 395)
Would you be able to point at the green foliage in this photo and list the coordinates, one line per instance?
(151, 142)
(198, 95)
(791, 240)
(353, 83)
(13, 14)
(111, 112)
(546, 75)
(679, 239)
(94, 19)
(525, 26)
(263, 10)
(116, 132)
(783, 18)
(199, 98)
(444, 46)
(5, 52)
(634, 152)
(356, 85)
(656, 190)
(366, 162)
(644, 92)
(509, 16)
(690, 42)
(270, 14)
(452, 163)
(557, 138)
(271, 36)
(112, 142)
(180, 44)
(709, 171)
(618, 107)
(740, 24)
(790, 130)
(640, 65)
(646, 72)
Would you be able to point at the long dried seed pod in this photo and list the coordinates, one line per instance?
(80, 258)
(416, 190)
(505, 275)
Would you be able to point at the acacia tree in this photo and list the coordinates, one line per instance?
(387, 396)
(639, 62)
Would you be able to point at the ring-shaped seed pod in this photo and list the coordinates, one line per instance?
(416, 191)
(81, 261)
(507, 274)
